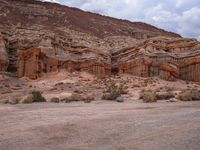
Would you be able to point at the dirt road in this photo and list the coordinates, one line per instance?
(101, 125)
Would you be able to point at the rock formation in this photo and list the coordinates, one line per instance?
(168, 58)
(34, 62)
(38, 37)
(3, 56)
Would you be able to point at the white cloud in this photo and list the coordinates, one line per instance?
(189, 23)
(52, 1)
(181, 16)
(179, 3)
(96, 6)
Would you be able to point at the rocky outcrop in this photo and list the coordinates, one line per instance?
(55, 17)
(167, 58)
(35, 62)
(4, 61)
(190, 69)
(38, 38)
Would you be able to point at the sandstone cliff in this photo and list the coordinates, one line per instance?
(37, 37)
(3, 56)
(168, 58)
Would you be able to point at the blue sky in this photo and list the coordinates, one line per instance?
(181, 16)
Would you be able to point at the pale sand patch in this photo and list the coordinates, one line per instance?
(60, 95)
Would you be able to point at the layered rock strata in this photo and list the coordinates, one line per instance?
(167, 58)
(34, 63)
(37, 38)
(4, 61)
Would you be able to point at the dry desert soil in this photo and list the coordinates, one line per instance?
(100, 125)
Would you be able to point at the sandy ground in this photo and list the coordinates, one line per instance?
(101, 125)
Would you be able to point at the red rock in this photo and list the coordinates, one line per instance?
(34, 63)
(42, 37)
(3, 56)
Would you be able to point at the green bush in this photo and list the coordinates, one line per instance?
(37, 96)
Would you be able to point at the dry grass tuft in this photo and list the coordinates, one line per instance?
(189, 95)
(148, 96)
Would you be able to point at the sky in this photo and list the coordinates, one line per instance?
(180, 16)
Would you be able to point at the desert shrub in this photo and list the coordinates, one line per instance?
(122, 90)
(55, 100)
(195, 95)
(37, 96)
(88, 99)
(113, 91)
(28, 100)
(109, 96)
(4, 101)
(74, 97)
(165, 96)
(148, 96)
(17, 100)
(189, 95)
(11, 101)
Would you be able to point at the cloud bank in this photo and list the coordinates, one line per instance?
(181, 16)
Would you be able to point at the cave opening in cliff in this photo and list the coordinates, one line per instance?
(114, 70)
(13, 58)
(45, 68)
(12, 68)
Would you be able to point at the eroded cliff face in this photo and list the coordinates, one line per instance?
(167, 58)
(33, 53)
(4, 61)
(37, 38)
(34, 63)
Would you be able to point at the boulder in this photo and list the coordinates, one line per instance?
(120, 99)
(172, 100)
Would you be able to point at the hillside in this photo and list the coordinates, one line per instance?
(39, 37)
(55, 16)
